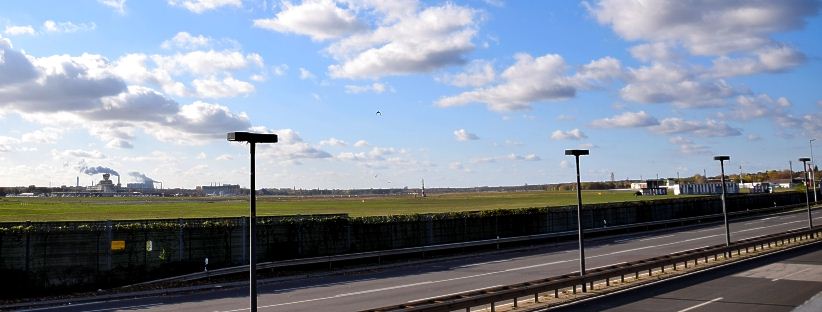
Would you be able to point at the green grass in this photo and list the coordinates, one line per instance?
(64, 209)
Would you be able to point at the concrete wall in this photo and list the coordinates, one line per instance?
(52, 256)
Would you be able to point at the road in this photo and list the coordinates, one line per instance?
(387, 287)
(776, 283)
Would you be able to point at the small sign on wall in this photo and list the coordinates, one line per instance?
(149, 246)
(118, 245)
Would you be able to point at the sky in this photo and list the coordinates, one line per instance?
(383, 94)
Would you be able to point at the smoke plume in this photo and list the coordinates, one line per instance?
(98, 170)
(141, 177)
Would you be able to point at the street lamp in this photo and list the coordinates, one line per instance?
(804, 161)
(576, 154)
(813, 180)
(722, 160)
(253, 139)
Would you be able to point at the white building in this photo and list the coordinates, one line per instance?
(704, 188)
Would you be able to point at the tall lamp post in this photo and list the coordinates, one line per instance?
(804, 161)
(576, 154)
(722, 160)
(252, 139)
(813, 180)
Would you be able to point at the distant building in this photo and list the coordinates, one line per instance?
(704, 188)
(652, 187)
(221, 190)
(104, 186)
(141, 186)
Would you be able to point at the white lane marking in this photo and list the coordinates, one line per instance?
(794, 273)
(483, 263)
(652, 238)
(456, 293)
(701, 305)
(129, 307)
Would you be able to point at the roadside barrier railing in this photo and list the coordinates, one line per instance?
(510, 294)
(379, 254)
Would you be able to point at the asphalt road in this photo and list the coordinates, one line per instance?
(397, 285)
(776, 283)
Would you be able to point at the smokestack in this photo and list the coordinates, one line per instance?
(78, 181)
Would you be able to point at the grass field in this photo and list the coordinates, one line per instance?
(63, 209)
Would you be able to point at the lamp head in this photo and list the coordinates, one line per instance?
(251, 137)
(804, 159)
(721, 158)
(576, 152)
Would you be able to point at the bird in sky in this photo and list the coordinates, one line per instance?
(379, 113)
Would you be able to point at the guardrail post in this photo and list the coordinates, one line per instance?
(180, 246)
(556, 293)
(493, 307)
(515, 302)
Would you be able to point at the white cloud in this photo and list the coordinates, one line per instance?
(709, 128)
(184, 40)
(658, 51)
(67, 27)
(200, 6)
(626, 120)
(202, 156)
(704, 27)
(532, 80)
(687, 146)
(119, 143)
(290, 147)
(463, 135)
(361, 143)
(227, 87)
(662, 83)
(754, 137)
(306, 74)
(333, 142)
(478, 73)
(47, 135)
(458, 166)
(376, 87)
(118, 5)
(320, 20)
(574, 134)
(563, 117)
(770, 59)
(224, 157)
(279, 70)
(407, 40)
(749, 107)
(13, 30)
(76, 153)
(509, 157)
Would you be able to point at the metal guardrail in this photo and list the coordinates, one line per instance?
(492, 296)
(422, 249)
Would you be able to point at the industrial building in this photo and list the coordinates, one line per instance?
(105, 185)
(704, 188)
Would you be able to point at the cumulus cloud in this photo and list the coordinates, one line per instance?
(216, 88)
(211, 68)
(76, 153)
(200, 6)
(46, 135)
(13, 30)
(184, 40)
(533, 80)
(770, 59)
(477, 73)
(663, 83)
(67, 27)
(83, 92)
(509, 157)
(704, 27)
(463, 135)
(574, 134)
(320, 20)
(709, 128)
(119, 6)
(627, 120)
(333, 142)
(306, 74)
(224, 157)
(361, 143)
(291, 147)
(376, 87)
(687, 146)
(749, 107)
(279, 70)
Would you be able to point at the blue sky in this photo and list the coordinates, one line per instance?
(470, 93)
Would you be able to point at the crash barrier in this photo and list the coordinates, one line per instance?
(53, 256)
(491, 298)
